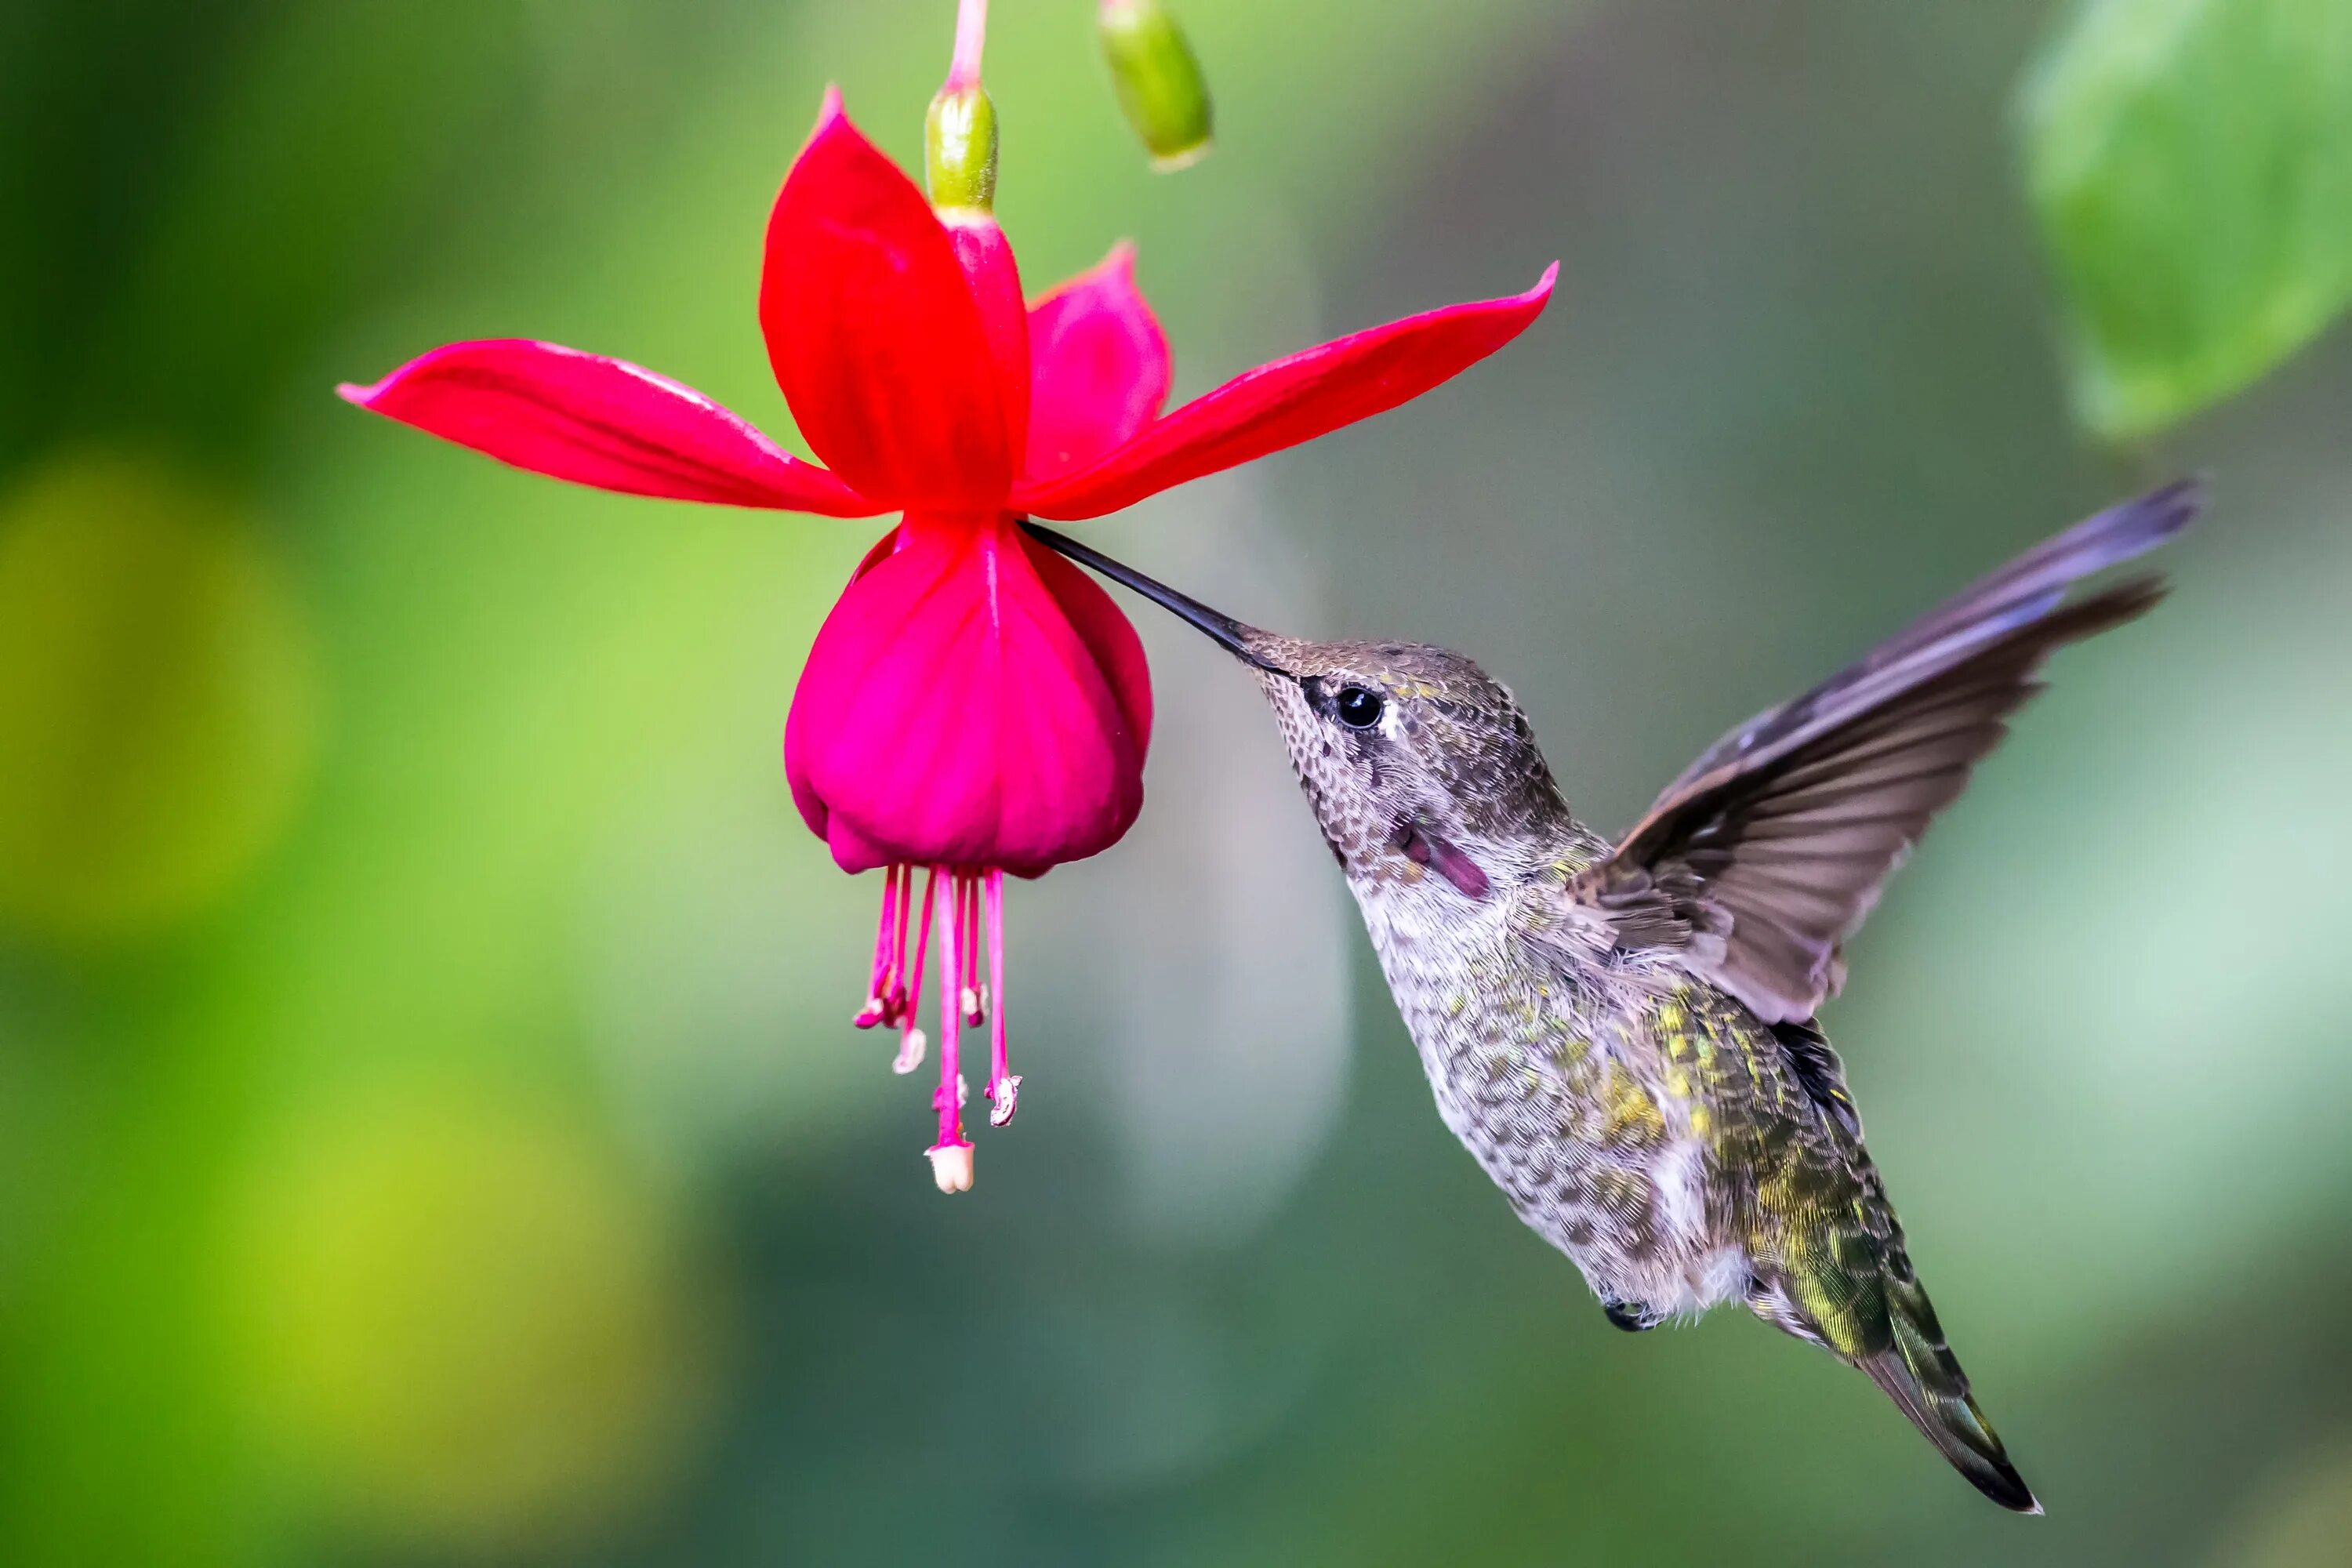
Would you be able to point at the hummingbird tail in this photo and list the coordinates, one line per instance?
(1919, 1373)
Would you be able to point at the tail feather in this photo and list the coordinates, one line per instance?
(1919, 1373)
(1872, 1313)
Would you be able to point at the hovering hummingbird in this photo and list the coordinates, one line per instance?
(1623, 1035)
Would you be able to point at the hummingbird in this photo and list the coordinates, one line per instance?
(1624, 1032)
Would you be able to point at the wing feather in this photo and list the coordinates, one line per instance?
(1764, 856)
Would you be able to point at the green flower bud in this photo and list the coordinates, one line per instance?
(960, 148)
(1159, 82)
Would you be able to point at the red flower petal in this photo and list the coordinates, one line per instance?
(1099, 368)
(601, 422)
(873, 333)
(986, 258)
(1289, 401)
(951, 714)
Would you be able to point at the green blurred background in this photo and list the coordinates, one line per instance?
(430, 1131)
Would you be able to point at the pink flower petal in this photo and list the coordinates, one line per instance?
(601, 422)
(1099, 368)
(950, 712)
(1289, 401)
(872, 332)
(1108, 634)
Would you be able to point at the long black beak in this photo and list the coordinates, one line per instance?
(1226, 632)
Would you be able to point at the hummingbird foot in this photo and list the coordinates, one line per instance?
(1633, 1316)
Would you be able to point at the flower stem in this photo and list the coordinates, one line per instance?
(971, 36)
(960, 129)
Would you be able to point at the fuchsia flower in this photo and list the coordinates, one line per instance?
(974, 705)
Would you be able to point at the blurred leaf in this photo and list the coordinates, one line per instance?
(2191, 163)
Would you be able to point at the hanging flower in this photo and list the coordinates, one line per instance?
(974, 705)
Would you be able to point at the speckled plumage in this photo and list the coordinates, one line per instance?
(1607, 1095)
(1622, 1033)
(1681, 1152)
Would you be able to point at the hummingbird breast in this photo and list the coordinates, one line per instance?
(1564, 1082)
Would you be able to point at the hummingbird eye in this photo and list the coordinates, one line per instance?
(1356, 707)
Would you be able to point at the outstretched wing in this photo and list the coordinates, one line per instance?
(1767, 853)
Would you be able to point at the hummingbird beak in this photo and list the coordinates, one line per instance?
(1227, 633)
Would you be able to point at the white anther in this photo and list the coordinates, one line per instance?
(951, 1167)
(911, 1053)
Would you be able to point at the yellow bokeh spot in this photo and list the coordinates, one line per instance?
(469, 1328)
(158, 699)
(2300, 1519)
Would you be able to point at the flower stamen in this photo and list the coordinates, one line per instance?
(886, 998)
(951, 1156)
(910, 1039)
(901, 999)
(968, 908)
(969, 995)
(1004, 1084)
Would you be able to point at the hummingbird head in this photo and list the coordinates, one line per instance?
(1423, 773)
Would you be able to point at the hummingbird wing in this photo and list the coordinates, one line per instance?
(1767, 853)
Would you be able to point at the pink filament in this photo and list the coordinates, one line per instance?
(968, 909)
(902, 988)
(1000, 1095)
(883, 991)
(914, 989)
(949, 1099)
(967, 940)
